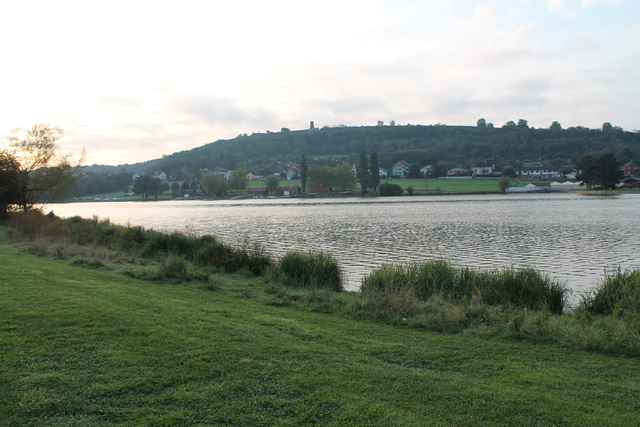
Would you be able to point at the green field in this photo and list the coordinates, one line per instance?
(86, 346)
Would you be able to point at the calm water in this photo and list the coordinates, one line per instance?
(571, 237)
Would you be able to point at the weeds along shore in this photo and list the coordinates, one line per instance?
(507, 303)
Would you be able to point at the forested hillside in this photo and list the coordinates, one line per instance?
(513, 144)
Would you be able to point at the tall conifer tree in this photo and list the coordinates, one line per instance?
(304, 173)
(363, 172)
(375, 171)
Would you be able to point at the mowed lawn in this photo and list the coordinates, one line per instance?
(81, 346)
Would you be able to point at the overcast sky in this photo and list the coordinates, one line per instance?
(132, 80)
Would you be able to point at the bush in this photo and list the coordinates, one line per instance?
(315, 269)
(173, 267)
(620, 291)
(522, 288)
(388, 189)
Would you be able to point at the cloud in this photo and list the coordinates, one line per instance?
(555, 4)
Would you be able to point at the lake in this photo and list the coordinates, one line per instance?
(571, 237)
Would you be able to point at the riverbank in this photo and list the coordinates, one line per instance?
(92, 346)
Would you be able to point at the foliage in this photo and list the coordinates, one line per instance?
(45, 173)
(388, 189)
(238, 180)
(315, 269)
(340, 177)
(509, 171)
(147, 186)
(522, 288)
(599, 171)
(410, 190)
(619, 292)
(363, 172)
(343, 177)
(375, 171)
(504, 183)
(272, 183)
(213, 184)
(304, 173)
(9, 182)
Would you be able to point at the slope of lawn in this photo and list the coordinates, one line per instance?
(81, 346)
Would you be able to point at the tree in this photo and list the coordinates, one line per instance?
(272, 183)
(522, 123)
(606, 127)
(304, 173)
(44, 173)
(321, 176)
(175, 186)
(555, 126)
(481, 123)
(343, 177)
(9, 188)
(363, 172)
(155, 187)
(504, 182)
(142, 186)
(375, 171)
(509, 171)
(238, 179)
(599, 171)
(212, 183)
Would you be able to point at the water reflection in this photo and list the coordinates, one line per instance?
(570, 237)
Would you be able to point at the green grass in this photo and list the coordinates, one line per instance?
(81, 346)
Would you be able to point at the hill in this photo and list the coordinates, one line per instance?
(416, 144)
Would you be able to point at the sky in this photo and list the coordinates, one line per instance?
(130, 81)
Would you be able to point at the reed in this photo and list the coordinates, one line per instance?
(308, 269)
(521, 288)
(618, 292)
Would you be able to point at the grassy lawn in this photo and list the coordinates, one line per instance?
(82, 346)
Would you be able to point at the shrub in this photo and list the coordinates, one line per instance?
(173, 267)
(315, 269)
(620, 290)
(170, 243)
(388, 189)
(523, 288)
(212, 252)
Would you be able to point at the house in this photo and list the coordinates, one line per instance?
(222, 172)
(161, 176)
(629, 169)
(538, 172)
(457, 171)
(293, 172)
(320, 191)
(251, 176)
(630, 183)
(566, 186)
(289, 191)
(427, 171)
(401, 169)
(383, 173)
(257, 191)
(483, 168)
(538, 186)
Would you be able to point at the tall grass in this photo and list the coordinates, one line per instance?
(520, 288)
(137, 241)
(309, 269)
(619, 291)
